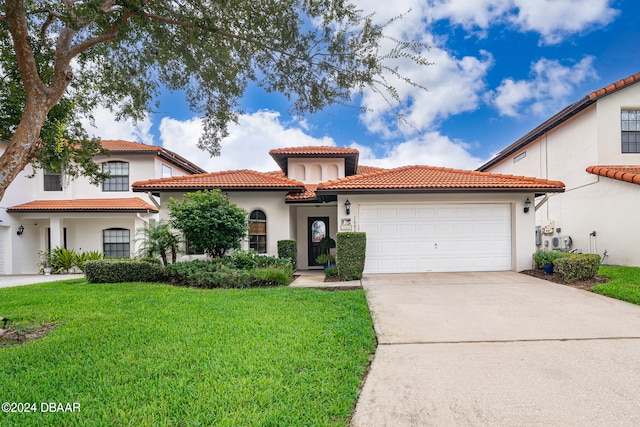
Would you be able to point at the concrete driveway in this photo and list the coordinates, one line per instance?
(499, 349)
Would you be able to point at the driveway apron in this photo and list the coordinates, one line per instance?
(501, 349)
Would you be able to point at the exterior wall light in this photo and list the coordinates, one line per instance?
(527, 205)
(347, 206)
(20, 230)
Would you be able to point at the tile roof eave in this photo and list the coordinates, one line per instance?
(90, 210)
(208, 187)
(442, 190)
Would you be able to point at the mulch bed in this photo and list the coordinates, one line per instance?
(580, 284)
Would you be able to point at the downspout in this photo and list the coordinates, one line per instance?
(542, 202)
(153, 200)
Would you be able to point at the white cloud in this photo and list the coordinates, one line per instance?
(107, 127)
(430, 148)
(554, 20)
(246, 147)
(547, 90)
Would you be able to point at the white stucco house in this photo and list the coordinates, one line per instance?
(417, 218)
(593, 146)
(49, 211)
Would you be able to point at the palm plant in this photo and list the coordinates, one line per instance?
(158, 239)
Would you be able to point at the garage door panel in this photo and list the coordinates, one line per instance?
(416, 238)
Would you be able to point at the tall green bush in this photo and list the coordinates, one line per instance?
(350, 254)
(288, 249)
(209, 221)
(574, 267)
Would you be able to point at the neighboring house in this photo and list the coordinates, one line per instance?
(49, 211)
(593, 146)
(417, 218)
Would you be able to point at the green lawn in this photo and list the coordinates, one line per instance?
(624, 284)
(140, 354)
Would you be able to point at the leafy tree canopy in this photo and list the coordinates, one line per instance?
(61, 59)
(209, 221)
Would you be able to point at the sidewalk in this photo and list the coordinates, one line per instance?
(315, 279)
(29, 279)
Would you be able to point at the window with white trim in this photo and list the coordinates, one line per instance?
(630, 125)
(258, 231)
(116, 243)
(118, 176)
(52, 181)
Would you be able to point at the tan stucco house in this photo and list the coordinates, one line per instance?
(593, 147)
(417, 218)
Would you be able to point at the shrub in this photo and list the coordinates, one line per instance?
(122, 270)
(218, 274)
(331, 271)
(288, 249)
(247, 260)
(350, 254)
(62, 259)
(542, 257)
(577, 267)
(83, 257)
(270, 277)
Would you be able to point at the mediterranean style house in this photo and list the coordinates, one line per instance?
(417, 218)
(49, 211)
(593, 146)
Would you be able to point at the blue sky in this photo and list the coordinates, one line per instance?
(501, 67)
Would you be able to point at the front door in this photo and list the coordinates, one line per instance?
(318, 227)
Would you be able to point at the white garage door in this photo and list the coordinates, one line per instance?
(422, 238)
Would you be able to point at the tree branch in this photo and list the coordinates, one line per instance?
(109, 35)
(19, 30)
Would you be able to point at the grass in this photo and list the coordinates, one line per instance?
(141, 354)
(624, 284)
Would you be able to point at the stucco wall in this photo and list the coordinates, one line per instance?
(325, 166)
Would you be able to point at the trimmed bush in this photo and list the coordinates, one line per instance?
(574, 267)
(542, 257)
(288, 249)
(122, 270)
(221, 273)
(263, 277)
(331, 271)
(350, 254)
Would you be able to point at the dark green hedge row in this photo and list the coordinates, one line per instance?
(288, 249)
(350, 254)
(123, 270)
(214, 274)
(574, 267)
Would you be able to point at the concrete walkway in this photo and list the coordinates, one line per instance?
(315, 279)
(500, 349)
(29, 279)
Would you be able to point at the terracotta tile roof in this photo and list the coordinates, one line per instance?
(559, 118)
(368, 169)
(350, 156)
(614, 86)
(308, 195)
(134, 204)
(622, 173)
(313, 150)
(228, 180)
(120, 146)
(428, 178)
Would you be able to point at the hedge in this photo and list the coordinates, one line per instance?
(350, 254)
(218, 274)
(577, 267)
(122, 270)
(288, 249)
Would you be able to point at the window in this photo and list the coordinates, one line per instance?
(520, 157)
(116, 243)
(258, 231)
(52, 181)
(118, 176)
(166, 171)
(630, 124)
